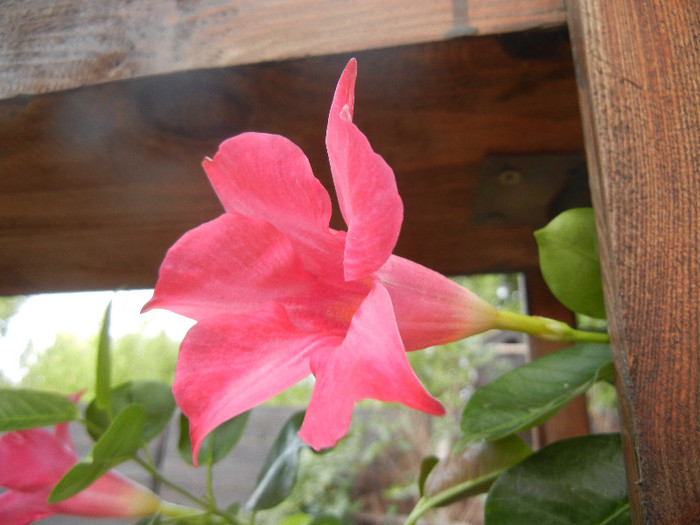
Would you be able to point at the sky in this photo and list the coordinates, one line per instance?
(41, 317)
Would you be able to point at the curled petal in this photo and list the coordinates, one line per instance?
(371, 363)
(269, 177)
(231, 363)
(231, 264)
(365, 184)
(430, 308)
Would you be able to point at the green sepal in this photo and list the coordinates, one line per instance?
(426, 466)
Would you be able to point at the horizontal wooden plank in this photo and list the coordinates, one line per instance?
(98, 182)
(50, 45)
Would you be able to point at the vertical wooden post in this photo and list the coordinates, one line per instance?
(573, 420)
(638, 66)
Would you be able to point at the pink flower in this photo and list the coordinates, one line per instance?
(277, 294)
(32, 462)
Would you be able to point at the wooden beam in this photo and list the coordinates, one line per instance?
(638, 65)
(98, 182)
(50, 45)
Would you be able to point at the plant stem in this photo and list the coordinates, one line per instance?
(425, 503)
(210, 477)
(547, 328)
(209, 507)
(153, 472)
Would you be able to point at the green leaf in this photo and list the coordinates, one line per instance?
(532, 393)
(21, 409)
(467, 474)
(473, 470)
(119, 443)
(103, 376)
(327, 520)
(155, 397)
(577, 481)
(300, 518)
(426, 466)
(278, 475)
(217, 444)
(568, 250)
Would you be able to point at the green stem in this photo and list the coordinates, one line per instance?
(153, 472)
(209, 506)
(210, 477)
(546, 328)
(173, 510)
(426, 503)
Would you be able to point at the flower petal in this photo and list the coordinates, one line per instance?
(20, 508)
(371, 363)
(365, 184)
(231, 363)
(112, 495)
(32, 459)
(431, 309)
(231, 264)
(269, 177)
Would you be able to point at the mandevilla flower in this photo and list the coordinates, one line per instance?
(277, 294)
(32, 462)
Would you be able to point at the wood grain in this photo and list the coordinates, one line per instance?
(639, 76)
(98, 182)
(50, 45)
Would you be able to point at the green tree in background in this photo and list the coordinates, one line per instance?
(9, 306)
(69, 364)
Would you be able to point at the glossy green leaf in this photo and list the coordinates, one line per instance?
(103, 377)
(119, 443)
(217, 444)
(155, 397)
(578, 481)
(532, 393)
(21, 409)
(278, 475)
(569, 261)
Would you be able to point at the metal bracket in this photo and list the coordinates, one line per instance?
(528, 190)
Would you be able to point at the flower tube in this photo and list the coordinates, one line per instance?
(33, 461)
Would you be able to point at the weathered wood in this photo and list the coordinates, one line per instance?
(98, 182)
(573, 420)
(638, 65)
(49, 45)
